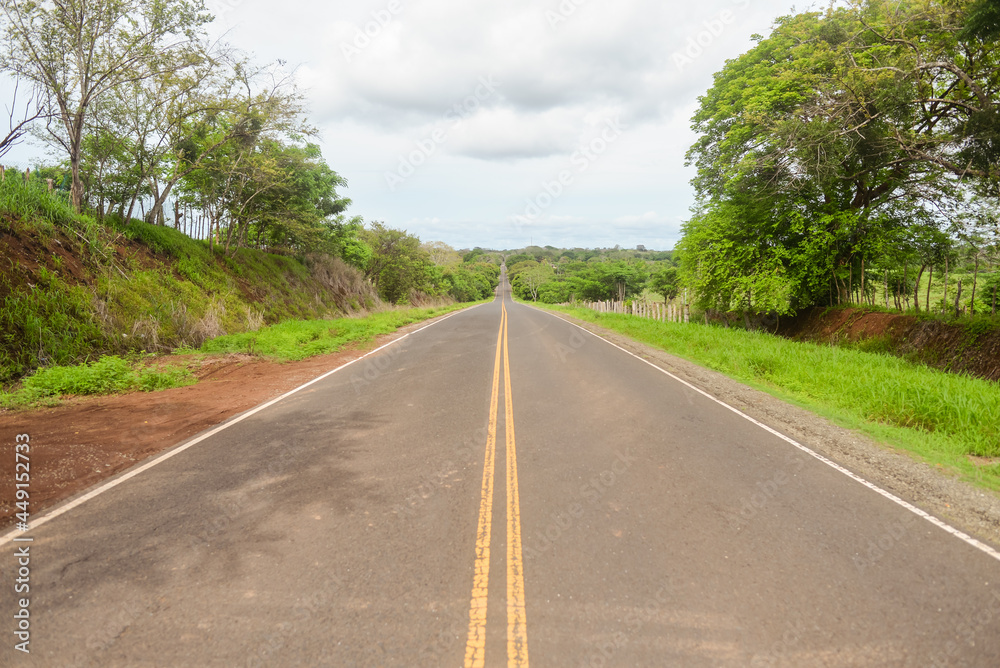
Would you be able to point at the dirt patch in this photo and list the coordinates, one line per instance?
(955, 347)
(86, 440)
(25, 255)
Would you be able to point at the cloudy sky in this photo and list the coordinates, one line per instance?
(496, 124)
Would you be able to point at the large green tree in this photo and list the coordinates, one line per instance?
(826, 142)
(78, 51)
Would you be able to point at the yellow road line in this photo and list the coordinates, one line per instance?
(475, 648)
(517, 629)
(517, 624)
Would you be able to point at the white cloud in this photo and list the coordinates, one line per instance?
(375, 97)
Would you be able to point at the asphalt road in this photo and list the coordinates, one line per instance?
(375, 518)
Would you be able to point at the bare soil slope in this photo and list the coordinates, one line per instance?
(962, 348)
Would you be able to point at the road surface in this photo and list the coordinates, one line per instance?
(499, 488)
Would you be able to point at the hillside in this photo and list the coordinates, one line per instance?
(968, 346)
(71, 290)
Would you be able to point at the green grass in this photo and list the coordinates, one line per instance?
(290, 340)
(31, 201)
(942, 417)
(109, 375)
(50, 324)
(298, 339)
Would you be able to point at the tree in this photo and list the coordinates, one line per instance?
(666, 281)
(20, 124)
(398, 265)
(241, 108)
(527, 281)
(78, 51)
(826, 142)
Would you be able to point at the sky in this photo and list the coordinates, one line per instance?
(504, 124)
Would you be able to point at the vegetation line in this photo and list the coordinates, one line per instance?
(287, 341)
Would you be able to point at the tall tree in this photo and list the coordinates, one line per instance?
(826, 142)
(80, 50)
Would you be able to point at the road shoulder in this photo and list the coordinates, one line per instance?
(87, 440)
(972, 509)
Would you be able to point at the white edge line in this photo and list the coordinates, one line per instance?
(850, 474)
(114, 482)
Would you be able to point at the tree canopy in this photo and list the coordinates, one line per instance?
(837, 146)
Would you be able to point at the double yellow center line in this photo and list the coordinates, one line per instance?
(517, 629)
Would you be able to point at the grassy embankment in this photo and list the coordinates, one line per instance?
(83, 304)
(286, 341)
(947, 419)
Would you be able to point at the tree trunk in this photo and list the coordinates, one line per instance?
(958, 298)
(75, 144)
(850, 283)
(975, 277)
(930, 279)
(863, 280)
(916, 288)
(906, 284)
(944, 304)
(131, 208)
(156, 213)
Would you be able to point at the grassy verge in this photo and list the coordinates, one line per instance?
(108, 375)
(289, 340)
(942, 417)
(298, 339)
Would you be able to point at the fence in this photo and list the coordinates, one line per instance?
(25, 176)
(652, 310)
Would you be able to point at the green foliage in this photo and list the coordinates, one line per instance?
(30, 201)
(666, 281)
(845, 141)
(184, 297)
(398, 266)
(982, 21)
(109, 375)
(298, 339)
(938, 415)
(560, 276)
(471, 281)
(52, 323)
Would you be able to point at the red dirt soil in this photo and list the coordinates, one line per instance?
(86, 440)
(947, 346)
